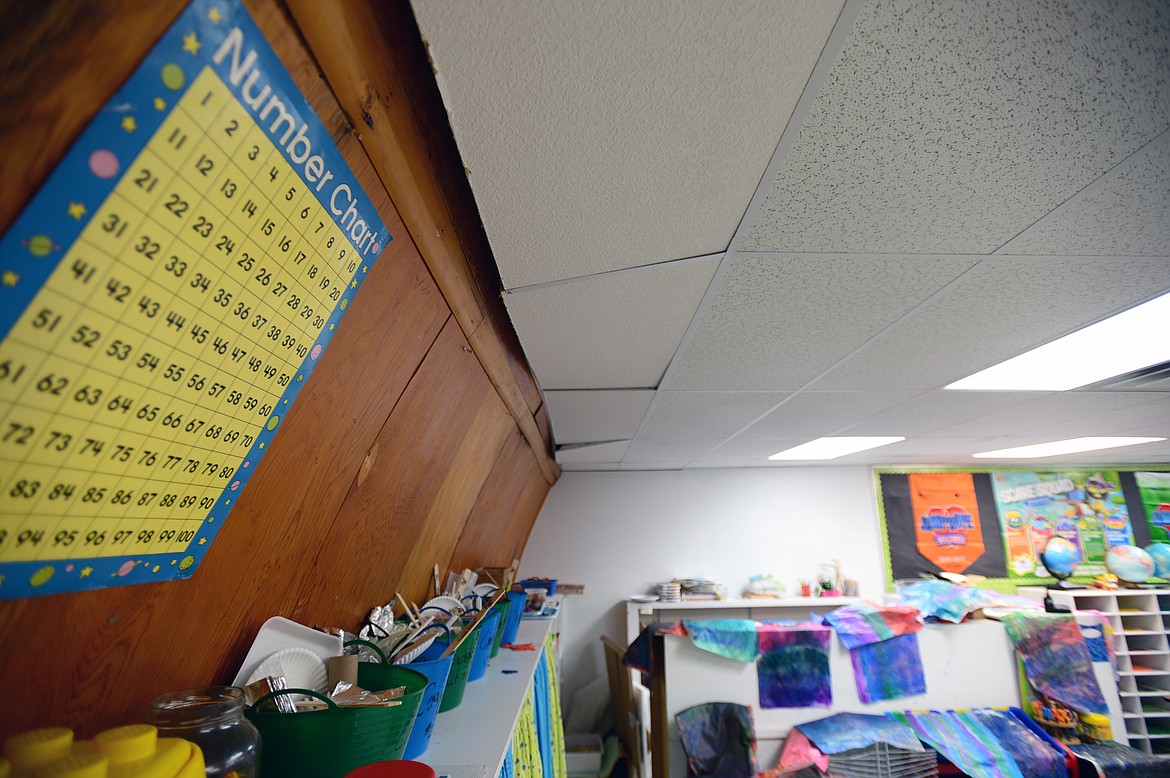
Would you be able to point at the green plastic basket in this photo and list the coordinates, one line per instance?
(332, 742)
(502, 606)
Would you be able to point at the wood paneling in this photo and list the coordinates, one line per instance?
(397, 439)
(348, 40)
(482, 543)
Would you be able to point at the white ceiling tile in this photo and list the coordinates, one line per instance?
(937, 411)
(746, 452)
(775, 323)
(1055, 410)
(678, 415)
(1006, 306)
(599, 414)
(662, 450)
(601, 135)
(811, 415)
(614, 331)
(951, 125)
(1137, 419)
(1128, 215)
(611, 452)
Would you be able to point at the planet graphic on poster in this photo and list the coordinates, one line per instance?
(1160, 553)
(1060, 556)
(1129, 563)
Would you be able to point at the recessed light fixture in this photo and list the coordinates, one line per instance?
(1129, 341)
(1057, 447)
(831, 448)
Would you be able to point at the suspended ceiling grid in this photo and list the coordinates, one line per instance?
(727, 229)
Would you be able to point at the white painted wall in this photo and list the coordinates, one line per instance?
(619, 533)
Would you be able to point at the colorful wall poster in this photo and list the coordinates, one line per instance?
(946, 517)
(940, 522)
(1086, 507)
(1154, 489)
(165, 295)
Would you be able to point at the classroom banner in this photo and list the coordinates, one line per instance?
(1084, 506)
(946, 519)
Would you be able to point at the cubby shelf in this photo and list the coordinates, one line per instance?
(1139, 618)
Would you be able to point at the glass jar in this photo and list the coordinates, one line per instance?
(212, 717)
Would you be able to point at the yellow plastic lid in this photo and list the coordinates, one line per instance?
(37, 747)
(76, 766)
(131, 743)
(166, 761)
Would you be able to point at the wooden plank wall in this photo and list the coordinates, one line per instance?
(420, 438)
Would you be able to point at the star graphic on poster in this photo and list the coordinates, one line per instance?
(160, 104)
(331, 325)
(9, 278)
(262, 444)
(77, 210)
(85, 571)
(128, 124)
(354, 284)
(202, 541)
(214, 15)
(365, 268)
(191, 43)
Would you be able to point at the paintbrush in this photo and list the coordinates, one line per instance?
(474, 623)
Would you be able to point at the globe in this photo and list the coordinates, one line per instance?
(1129, 563)
(1160, 553)
(1060, 556)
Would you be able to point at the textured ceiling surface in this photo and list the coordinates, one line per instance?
(603, 134)
(830, 210)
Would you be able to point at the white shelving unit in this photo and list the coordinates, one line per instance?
(1140, 620)
(471, 740)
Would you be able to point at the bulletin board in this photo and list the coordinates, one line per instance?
(995, 522)
(163, 299)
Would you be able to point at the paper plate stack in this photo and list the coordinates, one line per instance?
(669, 591)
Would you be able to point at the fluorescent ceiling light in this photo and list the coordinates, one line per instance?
(1057, 447)
(831, 448)
(1129, 341)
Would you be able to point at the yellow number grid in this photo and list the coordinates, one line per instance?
(138, 379)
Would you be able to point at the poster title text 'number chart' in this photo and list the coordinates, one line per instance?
(163, 299)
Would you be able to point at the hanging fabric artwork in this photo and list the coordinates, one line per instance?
(968, 745)
(719, 740)
(1056, 660)
(793, 668)
(860, 625)
(888, 670)
(883, 646)
(732, 638)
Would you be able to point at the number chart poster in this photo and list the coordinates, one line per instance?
(1087, 507)
(163, 298)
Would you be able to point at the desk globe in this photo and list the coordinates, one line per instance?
(1060, 557)
(1129, 563)
(1160, 553)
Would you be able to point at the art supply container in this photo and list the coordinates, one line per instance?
(330, 743)
(503, 606)
(436, 672)
(460, 669)
(516, 600)
(483, 645)
(213, 718)
(133, 751)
